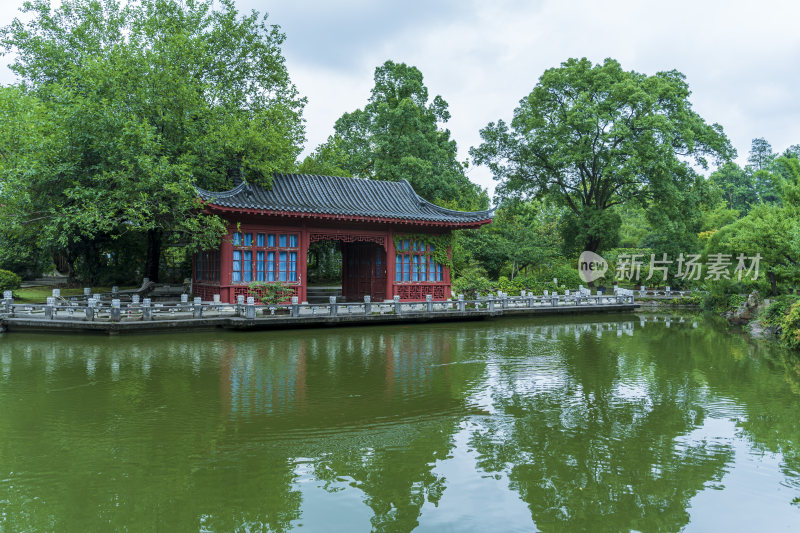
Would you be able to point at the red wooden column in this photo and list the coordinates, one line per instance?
(226, 266)
(302, 259)
(446, 276)
(390, 263)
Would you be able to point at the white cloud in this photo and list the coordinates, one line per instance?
(740, 57)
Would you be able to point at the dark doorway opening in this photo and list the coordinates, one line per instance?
(363, 272)
(347, 270)
(324, 271)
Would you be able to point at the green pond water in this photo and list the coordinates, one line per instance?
(595, 423)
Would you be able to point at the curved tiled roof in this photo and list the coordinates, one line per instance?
(330, 195)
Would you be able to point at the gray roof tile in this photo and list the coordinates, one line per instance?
(332, 195)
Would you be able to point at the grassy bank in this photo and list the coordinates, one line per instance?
(39, 294)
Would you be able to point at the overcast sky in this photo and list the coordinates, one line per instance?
(741, 58)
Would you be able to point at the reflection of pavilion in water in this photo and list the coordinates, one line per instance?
(263, 379)
(266, 378)
(273, 379)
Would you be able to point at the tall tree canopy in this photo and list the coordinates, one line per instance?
(735, 186)
(770, 230)
(142, 100)
(595, 136)
(398, 136)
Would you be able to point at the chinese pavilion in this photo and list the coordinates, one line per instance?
(387, 234)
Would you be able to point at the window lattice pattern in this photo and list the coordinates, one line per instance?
(345, 237)
(205, 292)
(417, 292)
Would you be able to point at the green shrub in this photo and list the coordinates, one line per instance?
(790, 327)
(567, 276)
(270, 293)
(775, 312)
(715, 301)
(472, 284)
(534, 286)
(511, 287)
(735, 300)
(694, 299)
(725, 295)
(9, 281)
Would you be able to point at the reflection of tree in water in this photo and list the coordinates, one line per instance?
(396, 479)
(764, 381)
(135, 429)
(602, 446)
(375, 409)
(422, 398)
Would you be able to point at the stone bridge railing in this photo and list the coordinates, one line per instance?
(662, 293)
(115, 310)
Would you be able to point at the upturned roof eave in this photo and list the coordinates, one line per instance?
(409, 221)
(331, 196)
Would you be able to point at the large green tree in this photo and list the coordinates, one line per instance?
(596, 136)
(762, 166)
(148, 99)
(735, 185)
(522, 235)
(769, 230)
(399, 135)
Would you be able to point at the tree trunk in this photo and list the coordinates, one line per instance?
(154, 237)
(592, 245)
(70, 255)
(91, 257)
(773, 285)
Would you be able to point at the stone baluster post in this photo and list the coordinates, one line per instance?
(240, 305)
(197, 308)
(333, 306)
(49, 310)
(116, 312)
(250, 308)
(396, 299)
(295, 306)
(429, 303)
(367, 304)
(8, 301)
(147, 311)
(462, 306)
(91, 303)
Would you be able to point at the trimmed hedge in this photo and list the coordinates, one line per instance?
(9, 281)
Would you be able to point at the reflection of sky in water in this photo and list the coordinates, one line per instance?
(753, 493)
